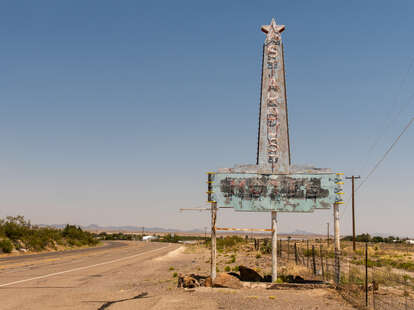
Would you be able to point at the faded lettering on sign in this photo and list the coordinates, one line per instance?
(284, 187)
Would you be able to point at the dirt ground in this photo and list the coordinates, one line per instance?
(193, 260)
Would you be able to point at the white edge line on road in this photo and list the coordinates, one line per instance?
(81, 268)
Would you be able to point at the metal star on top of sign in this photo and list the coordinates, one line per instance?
(273, 27)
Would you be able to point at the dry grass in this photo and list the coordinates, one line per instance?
(385, 265)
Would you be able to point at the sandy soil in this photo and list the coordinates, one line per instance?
(197, 261)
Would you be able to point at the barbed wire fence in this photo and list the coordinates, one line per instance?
(362, 281)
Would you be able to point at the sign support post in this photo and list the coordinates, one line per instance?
(337, 243)
(213, 239)
(213, 208)
(274, 246)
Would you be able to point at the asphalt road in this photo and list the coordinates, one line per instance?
(105, 245)
(78, 279)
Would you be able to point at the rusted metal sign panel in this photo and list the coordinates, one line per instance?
(276, 192)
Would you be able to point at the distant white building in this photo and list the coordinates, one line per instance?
(149, 238)
(409, 241)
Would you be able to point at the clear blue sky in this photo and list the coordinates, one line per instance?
(111, 112)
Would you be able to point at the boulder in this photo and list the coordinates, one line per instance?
(234, 275)
(289, 279)
(226, 280)
(247, 274)
(187, 282)
(267, 278)
(200, 279)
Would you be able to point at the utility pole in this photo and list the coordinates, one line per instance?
(353, 209)
(327, 224)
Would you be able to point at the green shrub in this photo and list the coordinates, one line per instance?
(6, 246)
(24, 235)
(2, 232)
(266, 246)
(77, 237)
(229, 242)
(118, 236)
(174, 238)
(227, 269)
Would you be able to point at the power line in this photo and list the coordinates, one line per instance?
(385, 155)
(379, 162)
(389, 122)
(391, 119)
(346, 205)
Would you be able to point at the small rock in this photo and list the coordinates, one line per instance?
(247, 274)
(225, 280)
(374, 286)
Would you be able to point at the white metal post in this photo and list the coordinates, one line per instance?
(336, 228)
(337, 243)
(274, 246)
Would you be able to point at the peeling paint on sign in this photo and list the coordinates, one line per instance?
(273, 184)
(275, 192)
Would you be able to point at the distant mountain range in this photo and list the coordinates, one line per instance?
(125, 228)
(94, 227)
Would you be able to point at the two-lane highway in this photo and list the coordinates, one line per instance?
(65, 280)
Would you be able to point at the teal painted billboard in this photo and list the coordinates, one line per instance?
(276, 192)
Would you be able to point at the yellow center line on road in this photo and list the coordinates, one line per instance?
(82, 268)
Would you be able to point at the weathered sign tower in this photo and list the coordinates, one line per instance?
(273, 154)
(273, 184)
